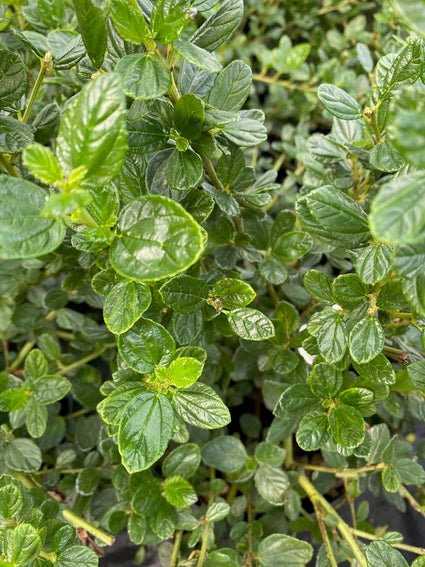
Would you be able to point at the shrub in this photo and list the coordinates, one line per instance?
(185, 357)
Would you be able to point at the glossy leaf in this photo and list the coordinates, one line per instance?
(250, 324)
(128, 21)
(200, 406)
(366, 340)
(347, 426)
(125, 304)
(196, 55)
(184, 294)
(143, 76)
(93, 30)
(14, 77)
(219, 26)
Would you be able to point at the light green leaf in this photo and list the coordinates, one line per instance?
(382, 554)
(42, 163)
(325, 380)
(250, 324)
(157, 239)
(412, 11)
(338, 102)
(22, 545)
(23, 455)
(179, 492)
(398, 211)
(93, 29)
(366, 340)
(93, 132)
(280, 549)
(200, 406)
(77, 556)
(143, 76)
(125, 304)
(36, 419)
(233, 293)
(271, 483)
(145, 430)
(217, 511)
(128, 20)
(136, 527)
(196, 55)
(168, 19)
(189, 116)
(373, 264)
(23, 233)
(143, 346)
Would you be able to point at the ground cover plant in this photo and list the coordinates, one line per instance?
(212, 279)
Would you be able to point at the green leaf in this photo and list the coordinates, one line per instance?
(382, 554)
(349, 290)
(337, 216)
(23, 455)
(319, 286)
(280, 549)
(416, 372)
(385, 157)
(42, 163)
(366, 340)
(50, 389)
(231, 87)
(390, 479)
(225, 453)
(283, 360)
(22, 545)
(93, 30)
(292, 245)
(373, 264)
(14, 135)
(14, 78)
(136, 527)
(200, 406)
(112, 408)
(128, 21)
(168, 19)
(14, 399)
(93, 133)
(144, 76)
(312, 431)
(36, 419)
(189, 116)
(145, 430)
(143, 346)
(271, 483)
(182, 372)
(219, 26)
(409, 259)
(233, 293)
(378, 370)
(331, 338)
(196, 55)
(184, 170)
(273, 270)
(405, 69)
(269, 454)
(179, 492)
(414, 292)
(11, 504)
(338, 102)
(184, 294)
(183, 461)
(409, 471)
(77, 556)
(23, 233)
(346, 426)
(250, 324)
(125, 304)
(87, 481)
(325, 380)
(157, 239)
(398, 212)
(295, 400)
(217, 511)
(245, 132)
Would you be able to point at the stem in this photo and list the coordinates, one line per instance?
(176, 548)
(320, 520)
(350, 501)
(44, 63)
(209, 168)
(283, 83)
(273, 295)
(22, 354)
(7, 166)
(250, 550)
(405, 546)
(317, 498)
(83, 360)
(343, 473)
(289, 448)
(21, 20)
(203, 552)
(79, 522)
(412, 501)
(87, 218)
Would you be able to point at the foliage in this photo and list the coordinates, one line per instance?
(211, 315)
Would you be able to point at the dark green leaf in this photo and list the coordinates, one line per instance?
(373, 263)
(189, 116)
(200, 406)
(366, 340)
(14, 135)
(145, 430)
(280, 549)
(183, 461)
(184, 170)
(338, 102)
(347, 426)
(196, 55)
(250, 324)
(319, 286)
(144, 76)
(23, 455)
(93, 29)
(381, 554)
(349, 290)
(50, 389)
(128, 20)
(13, 78)
(271, 483)
(225, 453)
(158, 239)
(184, 294)
(219, 26)
(231, 87)
(312, 431)
(125, 304)
(292, 245)
(331, 337)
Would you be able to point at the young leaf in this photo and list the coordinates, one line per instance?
(125, 304)
(93, 132)
(23, 232)
(145, 430)
(157, 239)
(42, 163)
(184, 371)
(179, 492)
(346, 426)
(93, 30)
(233, 293)
(168, 19)
(184, 170)
(373, 264)
(189, 116)
(250, 324)
(22, 545)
